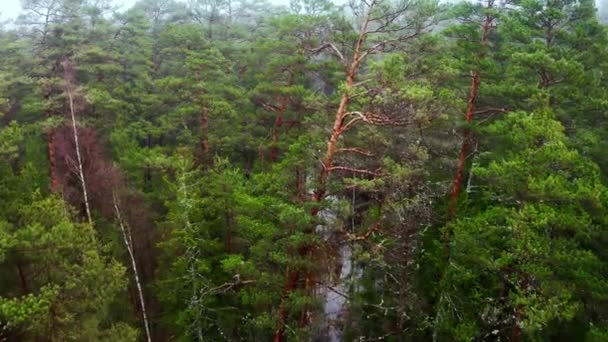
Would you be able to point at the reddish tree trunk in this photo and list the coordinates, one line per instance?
(278, 122)
(516, 333)
(470, 115)
(332, 146)
(205, 130)
(229, 234)
(300, 193)
(50, 142)
(292, 277)
(339, 126)
(51, 148)
(22, 279)
(466, 143)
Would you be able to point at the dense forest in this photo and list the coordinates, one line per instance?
(235, 170)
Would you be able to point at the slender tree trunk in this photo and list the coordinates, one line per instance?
(292, 276)
(516, 333)
(147, 169)
(464, 152)
(332, 146)
(68, 79)
(205, 130)
(465, 147)
(278, 122)
(22, 279)
(128, 240)
(469, 116)
(229, 219)
(83, 183)
(50, 143)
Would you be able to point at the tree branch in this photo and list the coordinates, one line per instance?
(356, 150)
(351, 169)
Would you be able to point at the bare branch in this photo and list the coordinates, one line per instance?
(334, 49)
(357, 150)
(491, 111)
(351, 169)
(353, 237)
(350, 123)
(228, 286)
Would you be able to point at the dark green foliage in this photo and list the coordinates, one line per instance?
(526, 255)
(208, 125)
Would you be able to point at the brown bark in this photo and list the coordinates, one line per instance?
(466, 143)
(205, 130)
(305, 315)
(469, 116)
(338, 128)
(516, 333)
(50, 143)
(147, 172)
(228, 218)
(22, 279)
(292, 277)
(300, 191)
(278, 122)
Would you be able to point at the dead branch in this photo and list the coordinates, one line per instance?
(375, 228)
(228, 286)
(357, 150)
(334, 49)
(351, 169)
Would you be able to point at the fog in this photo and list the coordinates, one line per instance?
(10, 9)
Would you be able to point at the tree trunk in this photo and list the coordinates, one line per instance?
(516, 333)
(68, 75)
(50, 142)
(465, 147)
(278, 122)
(469, 116)
(22, 279)
(128, 240)
(205, 130)
(293, 276)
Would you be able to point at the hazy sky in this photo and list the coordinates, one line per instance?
(10, 9)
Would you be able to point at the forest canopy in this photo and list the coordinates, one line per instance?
(366, 170)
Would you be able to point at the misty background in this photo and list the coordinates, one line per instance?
(10, 9)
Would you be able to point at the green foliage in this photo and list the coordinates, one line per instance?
(60, 261)
(211, 118)
(525, 255)
(228, 244)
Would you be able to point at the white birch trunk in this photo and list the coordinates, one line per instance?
(83, 183)
(128, 239)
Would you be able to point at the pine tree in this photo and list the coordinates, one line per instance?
(524, 260)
